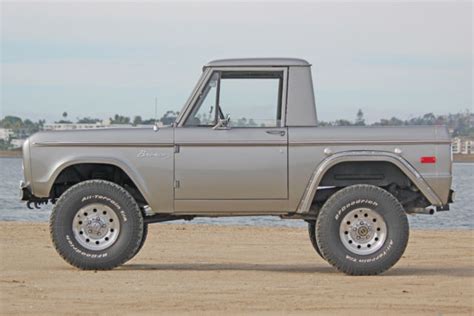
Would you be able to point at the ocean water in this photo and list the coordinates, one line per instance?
(459, 217)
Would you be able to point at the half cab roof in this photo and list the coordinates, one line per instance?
(256, 62)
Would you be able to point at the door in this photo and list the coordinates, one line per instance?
(246, 157)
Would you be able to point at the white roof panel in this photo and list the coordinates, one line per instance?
(251, 62)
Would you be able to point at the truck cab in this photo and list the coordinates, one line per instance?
(233, 135)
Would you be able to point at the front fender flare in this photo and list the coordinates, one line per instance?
(45, 186)
(348, 156)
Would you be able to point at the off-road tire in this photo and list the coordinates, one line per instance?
(112, 196)
(312, 237)
(345, 202)
(145, 234)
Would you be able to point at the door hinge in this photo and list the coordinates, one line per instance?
(176, 184)
(176, 149)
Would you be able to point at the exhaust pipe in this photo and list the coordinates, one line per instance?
(430, 210)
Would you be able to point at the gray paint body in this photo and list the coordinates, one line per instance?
(242, 171)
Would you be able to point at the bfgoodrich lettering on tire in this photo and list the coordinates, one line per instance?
(96, 225)
(362, 230)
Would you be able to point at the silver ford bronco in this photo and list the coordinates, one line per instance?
(247, 143)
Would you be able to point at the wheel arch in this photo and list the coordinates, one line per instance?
(123, 167)
(364, 156)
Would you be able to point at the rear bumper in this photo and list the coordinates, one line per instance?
(445, 207)
(451, 196)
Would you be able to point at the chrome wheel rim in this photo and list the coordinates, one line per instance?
(96, 226)
(363, 231)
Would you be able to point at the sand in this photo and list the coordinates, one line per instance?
(227, 270)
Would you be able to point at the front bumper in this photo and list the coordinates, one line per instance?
(27, 195)
(31, 200)
(25, 192)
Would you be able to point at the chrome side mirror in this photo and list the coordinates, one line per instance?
(222, 123)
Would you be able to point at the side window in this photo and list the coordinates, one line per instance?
(251, 99)
(203, 113)
(247, 98)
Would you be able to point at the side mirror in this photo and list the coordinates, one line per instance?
(222, 123)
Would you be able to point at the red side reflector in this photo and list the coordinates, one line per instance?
(428, 159)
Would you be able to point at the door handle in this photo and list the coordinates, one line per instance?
(274, 132)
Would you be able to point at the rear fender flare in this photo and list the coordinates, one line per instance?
(348, 156)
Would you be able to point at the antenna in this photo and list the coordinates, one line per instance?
(155, 126)
(156, 110)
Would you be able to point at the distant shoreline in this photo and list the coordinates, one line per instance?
(10, 153)
(463, 158)
(18, 154)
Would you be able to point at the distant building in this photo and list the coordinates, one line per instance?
(462, 146)
(5, 134)
(71, 126)
(17, 143)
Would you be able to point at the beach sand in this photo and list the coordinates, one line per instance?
(227, 270)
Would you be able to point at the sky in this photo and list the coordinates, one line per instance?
(96, 59)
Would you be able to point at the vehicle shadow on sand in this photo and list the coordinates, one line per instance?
(287, 268)
(296, 268)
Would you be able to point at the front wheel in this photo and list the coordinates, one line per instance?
(142, 242)
(362, 230)
(96, 225)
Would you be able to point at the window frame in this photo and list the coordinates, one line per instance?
(197, 103)
(207, 76)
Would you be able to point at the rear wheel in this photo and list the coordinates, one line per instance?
(362, 230)
(96, 225)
